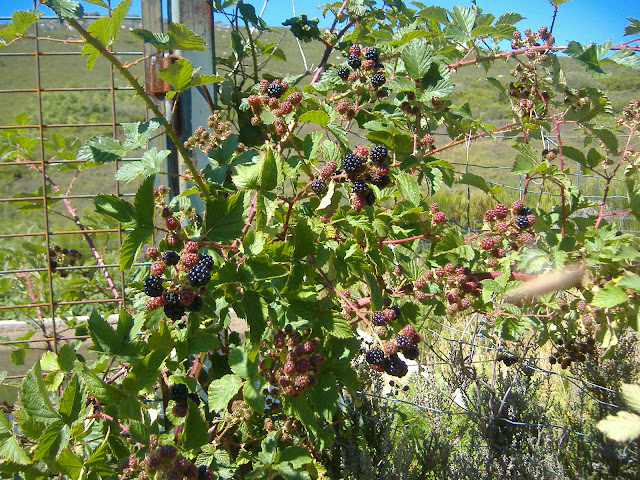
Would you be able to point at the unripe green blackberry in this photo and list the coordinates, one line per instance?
(319, 186)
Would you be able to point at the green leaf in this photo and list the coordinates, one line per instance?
(159, 40)
(464, 18)
(522, 165)
(631, 394)
(304, 239)
(404, 84)
(131, 245)
(631, 281)
(268, 171)
(633, 28)
(408, 188)
(178, 74)
(104, 338)
(145, 373)
(240, 364)
(557, 3)
(72, 400)
(11, 450)
(475, 181)
(222, 390)
(150, 164)
(628, 58)
(417, 58)
(224, 218)
(253, 393)
(23, 19)
(184, 39)
(195, 433)
(609, 296)
(374, 291)
(35, 399)
(101, 150)
(315, 116)
(53, 441)
(608, 138)
(295, 456)
(255, 313)
(622, 427)
(65, 8)
(144, 203)
(116, 208)
(138, 134)
(509, 18)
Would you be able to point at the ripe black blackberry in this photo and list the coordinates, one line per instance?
(172, 297)
(370, 198)
(275, 90)
(319, 186)
(372, 54)
(358, 186)
(375, 356)
(522, 222)
(174, 311)
(378, 153)
(195, 305)
(343, 72)
(404, 342)
(524, 211)
(396, 309)
(206, 261)
(411, 353)
(199, 276)
(170, 257)
(153, 286)
(379, 181)
(351, 163)
(204, 473)
(378, 80)
(354, 62)
(378, 318)
(195, 398)
(179, 392)
(395, 367)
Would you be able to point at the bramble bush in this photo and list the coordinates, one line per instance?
(317, 222)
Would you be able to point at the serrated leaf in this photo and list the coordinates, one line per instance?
(404, 84)
(633, 28)
(338, 327)
(509, 18)
(101, 150)
(222, 390)
(53, 441)
(268, 177)
(522, 165)
(11, 450)
(23, 19)
(72, 400)
(631, 281)
(116, 208)
(65, 8)
(609, 296)
(253, 393)
(622, 427)
(182, 38)
(131, 245)
(35, 399)
(408, 188)
(144, 203)
(224, 218)
(304, 239)
(417, 58)
(151, 163)
(328, 197)
(475, 181)
(158, 40)
(315, 116)
(374, 291)
(178, 74)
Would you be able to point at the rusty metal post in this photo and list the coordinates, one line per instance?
(193, 110)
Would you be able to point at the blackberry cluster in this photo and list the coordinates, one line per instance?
(164, 461)
(364, 65)
(515, 229)
(387, 359)
(205, 140)
(294, 361)
(437, 217)
(179, 393)
(268, 97)
(571, 350)
(458, 286)
(63, 257)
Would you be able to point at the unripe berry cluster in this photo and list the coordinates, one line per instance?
(164, 462)
(437, 217)
(63, 257)
(630, 114)
(363, 64)
(533, 39)
(382, 317)
(516, 228)
(387, 359)
(458, 284)
(184, 271)
(204, 140)
(268, 97)
(291, 363)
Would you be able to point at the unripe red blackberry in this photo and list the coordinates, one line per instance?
(397, 269)
(328, 169)
(357, 202)
(273, 103)
(172, 239)
(190, 246)
(317, 359)
(390, 313)
(527, 238)
(491, 262)
(390, 347)
(408, 330)
(167, 451)
(186, 296)
(289, 367)
(153, 461)
(171, 223)
(302, 381)
(434, 208)
(295, 98)
(451, 309)
(157, 268)
(439, 272)
(133, 462)
(427, 140)
(160, 301)
(419, 283)
(501, 227)
(152, 252)
(361, 151)
(439, 218)
(368, 65)
(465, 303)
(279, 339)
(498, 252)
(581, 306)
(452, 297)
(255, 121)
(254, 100)
(490, 215)
(355, 50)
(488, 243)
(449, 267)
(303, 365)
(189, 259)
(531, 218)
(517, 206)
(501, 211)
(150, 304)
(285, 107)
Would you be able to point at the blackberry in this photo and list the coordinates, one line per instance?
(354, 62)
(351, 163)
(358, 186)
(195, 398)
(275, 90)
(396, 309)
(370, 198)
(172, 297)
(180, 410)
(379, 181)
(395, 367)
(522, 222)
(199, 276)
(195, 305)
(378, 318)
(501, 211)
(204, 473)
(206, 261)
(179, 392)
(354, 49)
(174, 311)
(524, 211)
(404, 342)
(343, 72)
(411, 353)
(378, 153)
(170, 257)
(378, 80)
(153, 286)
(375, 356)
(167, 451)
(319, 186)
(372, 54)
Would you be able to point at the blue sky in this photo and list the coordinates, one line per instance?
(580, 20)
